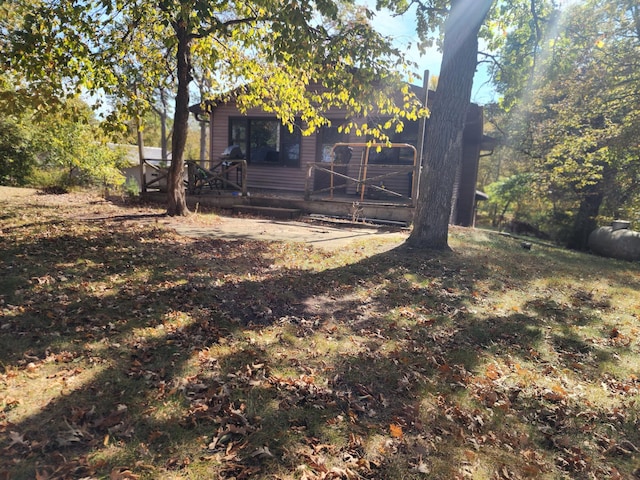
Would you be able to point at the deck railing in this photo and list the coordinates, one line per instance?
(157, 176)
(366, 185)
(217, 175)
(220, 175)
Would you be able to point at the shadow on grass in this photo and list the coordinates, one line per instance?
(150, 307)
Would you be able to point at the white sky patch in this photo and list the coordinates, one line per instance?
(566, 3)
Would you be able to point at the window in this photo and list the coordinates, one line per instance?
(265, 141)
(398, 156)
(327, 138)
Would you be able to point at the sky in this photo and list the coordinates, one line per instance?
(403, 31)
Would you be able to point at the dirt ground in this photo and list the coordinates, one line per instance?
(317, 234)
(324, 235)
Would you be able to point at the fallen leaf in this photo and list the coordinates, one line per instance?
(17, 439)
(492, 372)
(422, 467)
(395, 430)
(122, 473)
(262, 452)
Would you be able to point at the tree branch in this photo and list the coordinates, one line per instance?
(491, 58)
(219, 26)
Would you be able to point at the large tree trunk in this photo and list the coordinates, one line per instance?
(585, 221)
(592, 197)
(443, 146)
(176, 200)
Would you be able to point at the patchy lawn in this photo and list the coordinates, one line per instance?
(128, 351)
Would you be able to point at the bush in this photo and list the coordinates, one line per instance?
(72, 150)
(16, 153)
(52, 180)
(131, 188)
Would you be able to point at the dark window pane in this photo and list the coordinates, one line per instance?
(265, 141)
(238, 134)
(398, 156)
(290, 146)
(329, 136)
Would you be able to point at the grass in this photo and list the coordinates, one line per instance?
(128, 351)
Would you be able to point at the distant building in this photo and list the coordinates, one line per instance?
(152, 156)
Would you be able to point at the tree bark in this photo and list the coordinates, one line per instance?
(443, 145)
(591, 200)
(585, 221)
(143, 173)
(163, 135)
(176, 199)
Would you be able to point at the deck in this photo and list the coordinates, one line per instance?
(356, 191)
(267, 202)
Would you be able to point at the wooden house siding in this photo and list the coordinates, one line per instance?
(261, 175)
(278, 177)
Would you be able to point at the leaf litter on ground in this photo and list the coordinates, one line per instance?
(129, 351)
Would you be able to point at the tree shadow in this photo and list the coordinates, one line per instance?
(164, 399)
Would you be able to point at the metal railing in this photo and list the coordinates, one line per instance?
(364, 183)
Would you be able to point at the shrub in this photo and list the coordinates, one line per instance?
(131, 188)
(16, 153)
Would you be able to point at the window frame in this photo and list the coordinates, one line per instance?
(286, 141)
(322, 136)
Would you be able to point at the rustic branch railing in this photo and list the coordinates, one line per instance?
(159, 174)
(220, 175)
(362, 182)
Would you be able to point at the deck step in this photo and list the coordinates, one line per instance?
(271, 212)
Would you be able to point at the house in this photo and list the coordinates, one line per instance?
(311, 173)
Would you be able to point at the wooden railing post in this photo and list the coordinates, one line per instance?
(191, 176)
(307, 182)
(243, 166)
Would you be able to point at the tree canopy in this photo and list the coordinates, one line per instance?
(574, 111)
(274, 49)
(16, 154)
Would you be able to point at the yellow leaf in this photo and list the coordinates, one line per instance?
(559, 390)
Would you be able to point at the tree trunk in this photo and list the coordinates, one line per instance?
(143, 173)
(176, 200)
(592, 196)
(443, 146)
(203, 143)
(585, 221)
